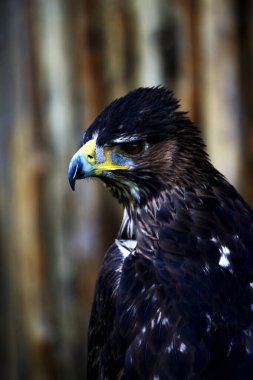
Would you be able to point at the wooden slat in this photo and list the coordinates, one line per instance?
(220, 97)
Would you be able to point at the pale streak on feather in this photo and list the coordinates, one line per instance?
(126, 247)
(126, 139)
(127, 223)
(224, 259)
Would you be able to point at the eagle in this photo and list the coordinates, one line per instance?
(174, 297)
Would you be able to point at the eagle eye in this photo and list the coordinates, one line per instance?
(132, 148)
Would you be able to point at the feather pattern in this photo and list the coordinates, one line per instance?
(179, 312)
(174, 297)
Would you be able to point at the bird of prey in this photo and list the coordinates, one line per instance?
(174, 297)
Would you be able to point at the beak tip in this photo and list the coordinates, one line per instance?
(72, 185)
(71, 176)
(79, 168)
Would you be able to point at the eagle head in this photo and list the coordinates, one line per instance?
(139, 145)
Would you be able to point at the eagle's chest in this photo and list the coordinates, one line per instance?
(105, 342)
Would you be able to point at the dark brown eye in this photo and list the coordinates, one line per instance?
(132, 148)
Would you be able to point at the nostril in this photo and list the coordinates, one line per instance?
(90, 157)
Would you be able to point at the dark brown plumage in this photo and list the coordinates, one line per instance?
(174, 298)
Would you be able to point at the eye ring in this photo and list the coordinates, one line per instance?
(132, 148)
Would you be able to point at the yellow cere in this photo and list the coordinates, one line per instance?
(89, 152)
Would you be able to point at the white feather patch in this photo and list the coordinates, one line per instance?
(224, 259)
(126, 247)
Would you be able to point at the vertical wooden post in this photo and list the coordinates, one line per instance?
(220, 100)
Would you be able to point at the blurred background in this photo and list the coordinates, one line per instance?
(61, 62)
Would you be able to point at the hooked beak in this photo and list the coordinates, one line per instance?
(83, 164)
(79, 168)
